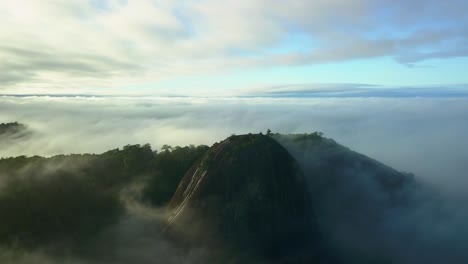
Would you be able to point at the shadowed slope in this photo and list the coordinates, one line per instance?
(248, 194)
(356, 199)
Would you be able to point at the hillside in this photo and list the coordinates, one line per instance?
(13, 130)
(248, 194)
(247, 199)
(289, 194)
(355, 198)
(72, 198)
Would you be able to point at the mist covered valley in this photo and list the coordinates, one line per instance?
(114, 207)
(235, 131)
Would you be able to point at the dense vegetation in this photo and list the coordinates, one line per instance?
(170, 166)
(298, 201)
(68, 198)
(12, 129)
(61, 208)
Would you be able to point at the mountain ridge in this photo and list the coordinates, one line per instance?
(251, 198)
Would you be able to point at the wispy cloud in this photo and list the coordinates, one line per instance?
(350, 90)
(57, 44)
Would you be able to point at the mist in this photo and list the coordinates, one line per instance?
(425, 136)
(401, 220)
(135, 237)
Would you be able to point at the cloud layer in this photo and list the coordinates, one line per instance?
(425, 136)
(56, 44)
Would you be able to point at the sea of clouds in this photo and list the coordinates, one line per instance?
(426, 136)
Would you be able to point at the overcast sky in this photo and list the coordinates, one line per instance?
(207, 47)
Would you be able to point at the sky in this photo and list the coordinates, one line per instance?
(386, 78)
(210, 47)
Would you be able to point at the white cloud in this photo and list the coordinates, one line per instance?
(421, 135)
(51, 44)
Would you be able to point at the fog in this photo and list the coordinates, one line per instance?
(366, 220)
(425, 136)
(137, 237)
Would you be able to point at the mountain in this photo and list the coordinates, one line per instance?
(247, 194)
(288, 198)
(253, 198)
(361, 205)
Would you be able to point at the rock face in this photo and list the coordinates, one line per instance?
(306, 199)
(247, 194)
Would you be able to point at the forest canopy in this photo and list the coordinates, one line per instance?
(70, 198)
(12, 128)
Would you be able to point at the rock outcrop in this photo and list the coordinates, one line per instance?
(247, 195)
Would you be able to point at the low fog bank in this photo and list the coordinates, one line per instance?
(134, 235)
(370, 213)
(426, 136)
(137, 238)
(362, 221)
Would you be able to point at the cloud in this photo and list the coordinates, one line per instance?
(364, 220)
(423, 135)
(137, 238)
(350, 90)
(112, 43)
